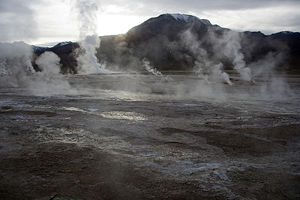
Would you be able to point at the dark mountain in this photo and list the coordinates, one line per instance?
(292, 40)
(158, 39)
(177, 42)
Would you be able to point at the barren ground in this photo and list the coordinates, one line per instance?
(116, 142)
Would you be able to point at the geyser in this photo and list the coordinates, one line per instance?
(89, 41)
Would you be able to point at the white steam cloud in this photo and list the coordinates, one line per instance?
(48, 62)
(150, 68)
(16, 71)
(89, 41)
(87, 61)
(49, 80)
(229, 46)
(204, 66)
(15, 62)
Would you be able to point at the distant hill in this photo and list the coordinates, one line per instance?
(174, 42)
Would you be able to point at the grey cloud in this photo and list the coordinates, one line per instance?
(287, 19)
(283, 22)
(228, 4)
(293, 20)
(17, 20)
(145, 7)
(17, 17)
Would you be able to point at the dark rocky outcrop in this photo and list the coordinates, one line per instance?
(67, 54)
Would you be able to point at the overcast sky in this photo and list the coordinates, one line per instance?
(43, 21)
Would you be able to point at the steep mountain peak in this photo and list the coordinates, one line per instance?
(187, 18)
(178, 18)
(182, 17)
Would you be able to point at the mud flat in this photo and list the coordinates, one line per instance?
(141, 137)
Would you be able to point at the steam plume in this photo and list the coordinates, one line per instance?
(230, 45)
(204, 66)
(49, 81)
(49, 64)
(16, 70)
(15, 63)
(151, 69)
(89, 41)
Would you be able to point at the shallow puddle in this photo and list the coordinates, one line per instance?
(132, 116)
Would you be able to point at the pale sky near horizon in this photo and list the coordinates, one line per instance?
(45, 21)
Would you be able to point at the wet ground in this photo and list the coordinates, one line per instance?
(127, 136)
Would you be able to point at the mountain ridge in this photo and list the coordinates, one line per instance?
(160, 41)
